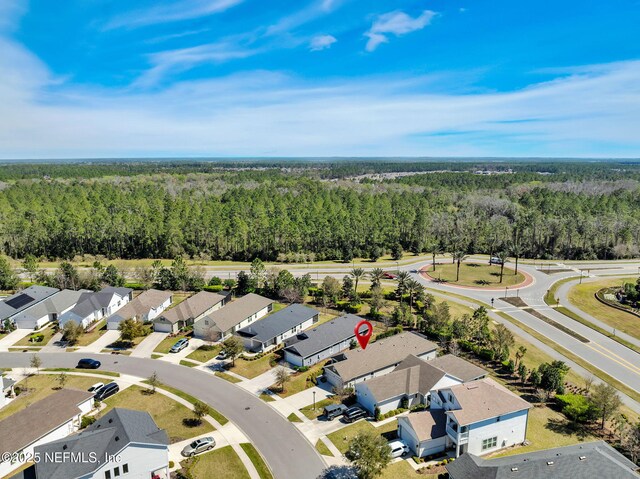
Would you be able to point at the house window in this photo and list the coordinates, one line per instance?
(125, 468)
(206, 321)
(116, 472)
(489, 443)
(107, 474)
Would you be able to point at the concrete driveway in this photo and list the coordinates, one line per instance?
(13, 337)
(148, 344)
(102, 342)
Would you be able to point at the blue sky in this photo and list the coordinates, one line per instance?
(109, 78)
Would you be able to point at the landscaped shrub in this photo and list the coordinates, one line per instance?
(395, 412)
(137, 286)
(577, 407)
(36, 338)
(87, 421)
(485, 353)
(389, 332)
(353, 308)
(216, 288)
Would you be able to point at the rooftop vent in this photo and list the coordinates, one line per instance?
(64, 448)
(582, 458)
(549, 463)
(110, 420)
(514, 469)
(117, 438)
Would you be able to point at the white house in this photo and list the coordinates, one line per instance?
(6, 390)
(278, 327)
(147, 306)
(52, 418)
(479, 417)
(189, 311)
(380, 358)
(18, 302)
(412, 381)
(48, 310)
(222, 323)
(92, 307)
(317, 344)
(128, 443)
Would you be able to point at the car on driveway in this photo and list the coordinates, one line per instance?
(353, 414)
(222, 355)
(333, 411)
(95, 387)
(398, 448)
(88, 363)
(106, 391)
(179, 346)
(199, 445)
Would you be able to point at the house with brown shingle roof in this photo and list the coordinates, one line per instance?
(147, 306)
(189, 311)
(54, 417)
(480, 417)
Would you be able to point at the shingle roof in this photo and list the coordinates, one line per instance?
(141, 305)
(408, 379)
(277, 323)
(192, 307)
(381, 354)
(54, 304)
(589, 460)
(24, 299)
(321, 337)
(429, 424)
(239, 310)
(484, 399)
(120, 290)
(31, 423)
(107, 436)
(458, 368)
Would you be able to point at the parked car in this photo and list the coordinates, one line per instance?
(106, 391)
(222, 355)
(333, 411)
(88, 363)
(398, 448)
(179, 346)
(199, 445)
(95, 387)
(495, 260)
(353, 414)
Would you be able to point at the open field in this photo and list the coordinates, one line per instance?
(476, 275)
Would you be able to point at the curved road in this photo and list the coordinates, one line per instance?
(286, 450)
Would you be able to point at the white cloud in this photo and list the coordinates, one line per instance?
(322, 42)
(171, 11)
(397, 23)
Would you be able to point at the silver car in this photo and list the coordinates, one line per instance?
(199, 445)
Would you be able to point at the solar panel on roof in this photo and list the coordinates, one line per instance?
(19, 301)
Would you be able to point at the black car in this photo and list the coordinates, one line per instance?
(88, 363)
(333, 411)
(106, 391)
(353, 414)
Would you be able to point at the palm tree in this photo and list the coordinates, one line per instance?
(458, 257)
(516, 252)
(412, 287)
(434, 249)
(357, 273)
(502, 256)
(376, 276)
(403, 279)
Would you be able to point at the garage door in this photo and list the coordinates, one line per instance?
(163, 327)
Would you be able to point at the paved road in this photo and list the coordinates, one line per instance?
(285, 449)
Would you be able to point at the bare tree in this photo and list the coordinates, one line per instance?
(282, 377)
(36, 362)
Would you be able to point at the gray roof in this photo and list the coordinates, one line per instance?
(192, 307)
(458, 368)
(6, 383)
(88, 302)
(141, 305)
(38, 419)
(24, 299)
(122, 291)
(108, 435)
(381, 354)
(589, 460)
(430, 424)
(55, 304)
(278, 323)
(321, 337)
(237, 311)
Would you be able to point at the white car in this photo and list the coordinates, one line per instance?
(95, 387)
(398, 448)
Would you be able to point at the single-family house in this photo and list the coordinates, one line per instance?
(189, 311)
(92, 307)
(48, 310)
(6, 390)
(147, 306)
(222, 323)
(54, 417)
(328, 339)
(480, 417)
(126, 444)
(276, 328)
(580, 461)
(412, 381)
(22, 300)
(381, 357)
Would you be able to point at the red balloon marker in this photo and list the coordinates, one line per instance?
(363, 337)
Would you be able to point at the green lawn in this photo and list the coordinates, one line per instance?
(84, 371)
(323, 449)
(266, 397)
(188, 397)
(228, 377)
(251, 369)
(47, 332)
(41, 386)
(298, 381)
(312, 414)
(256, 459)
(349, 432)
(166, 344)
(221, 463)
(189, 364)
(167, 413)
(475, 274)
(86, 339)
(583, 297)
(293, 417)
(205, 353)
(401, 470)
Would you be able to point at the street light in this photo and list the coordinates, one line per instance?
(314, 400)
(506, 290)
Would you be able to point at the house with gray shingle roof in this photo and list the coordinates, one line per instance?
(125, 443)
(189, 311)
(278, 327)
(92, 307)
(586, 460)
(314, 345)
(147, 306)
(20, 301)
(48, 310)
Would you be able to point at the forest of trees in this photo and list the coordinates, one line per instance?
(204, 210)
